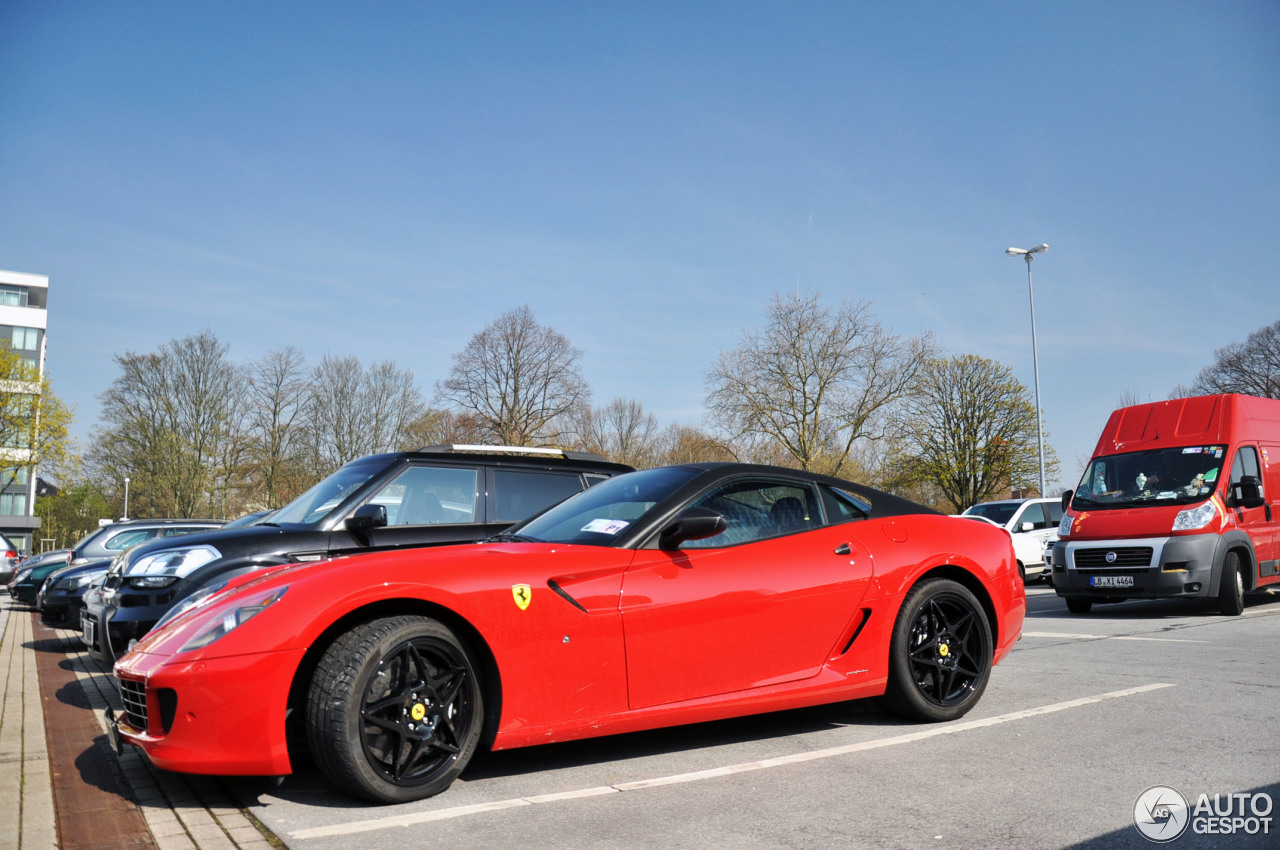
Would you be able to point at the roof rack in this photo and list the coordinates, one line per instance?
(522, 450)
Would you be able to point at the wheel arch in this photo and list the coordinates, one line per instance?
(973, 584)
(466, 632)
(1241, 544)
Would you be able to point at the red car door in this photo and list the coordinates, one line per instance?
(705, 621)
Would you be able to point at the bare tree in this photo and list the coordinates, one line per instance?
(813, 380)
(970, 431)
(1251, 367)
(621, 431)
(278, 389)
(173, 422)
(351, 412)
(686, 444)
(518, 379)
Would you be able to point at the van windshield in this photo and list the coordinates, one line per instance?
(1178, 475)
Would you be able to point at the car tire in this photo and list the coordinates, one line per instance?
(395, 709)
(1079, 604)
(940, 653)
(1231, 587)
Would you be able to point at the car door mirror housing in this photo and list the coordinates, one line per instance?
(692, 524)
(367, 516)
(1027, 526)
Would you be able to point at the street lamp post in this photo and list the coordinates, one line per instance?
(126, 498)
(1028, 254)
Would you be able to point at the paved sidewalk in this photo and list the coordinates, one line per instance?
(36, 792)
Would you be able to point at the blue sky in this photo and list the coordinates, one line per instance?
(385, 179)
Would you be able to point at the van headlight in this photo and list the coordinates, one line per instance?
(1197, 517)
(1064, 527)
(162, 569)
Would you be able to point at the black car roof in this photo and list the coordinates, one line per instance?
(882, 504)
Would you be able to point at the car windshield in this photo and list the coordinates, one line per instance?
(1180, 475)
(597, 516)
(315, 504)
(998, 512)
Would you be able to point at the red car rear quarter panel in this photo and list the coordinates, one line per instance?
(917, 545)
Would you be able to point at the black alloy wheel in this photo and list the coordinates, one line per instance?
(940, 653)
(395, 709)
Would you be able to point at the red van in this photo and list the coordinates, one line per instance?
(1181, 499)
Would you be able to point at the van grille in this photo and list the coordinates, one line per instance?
(134, 695)
(1125, 556)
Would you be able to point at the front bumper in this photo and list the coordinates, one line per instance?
(1139, 568)
(222, 716)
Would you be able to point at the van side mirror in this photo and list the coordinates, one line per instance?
(1246, 493)
(1066, 499)
(1028, 526)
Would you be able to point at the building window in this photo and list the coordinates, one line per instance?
(17, 473)
(26, 339)
(13, 296)
(13, 504)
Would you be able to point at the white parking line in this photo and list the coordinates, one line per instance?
(1072, 636)
(796, 758)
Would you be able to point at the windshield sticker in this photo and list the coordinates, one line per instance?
(606, 526)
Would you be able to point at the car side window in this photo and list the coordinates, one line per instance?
(1055, 513)
(125, 539)
(758, 509)
(430, 495)
(519, 494)
(178, 531)
(1034, 514)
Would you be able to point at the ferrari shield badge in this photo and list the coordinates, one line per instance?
(523, 593)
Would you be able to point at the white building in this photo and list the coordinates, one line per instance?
(24, 317)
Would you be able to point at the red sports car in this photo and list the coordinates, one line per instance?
(667, 596)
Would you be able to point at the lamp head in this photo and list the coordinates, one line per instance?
(1014, 252)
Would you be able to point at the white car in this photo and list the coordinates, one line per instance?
(1030, 522)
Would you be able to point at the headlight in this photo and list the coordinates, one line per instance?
(1197, 517)
(200, 597)
(22, 575)
(234, 615)
(77, 582)
(1064, 527)
(164, 568)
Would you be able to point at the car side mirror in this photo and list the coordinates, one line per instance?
(1246, 493)
(692, 524)
(366, 517)
(1027, 526)
(1066, 499)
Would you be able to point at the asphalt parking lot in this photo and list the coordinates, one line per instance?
(1086, 715)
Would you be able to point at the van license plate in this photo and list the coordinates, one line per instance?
(1111, 581)
(86, 629)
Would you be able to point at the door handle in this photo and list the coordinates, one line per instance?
(844, 549)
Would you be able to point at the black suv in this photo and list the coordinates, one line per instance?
(438, 495)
